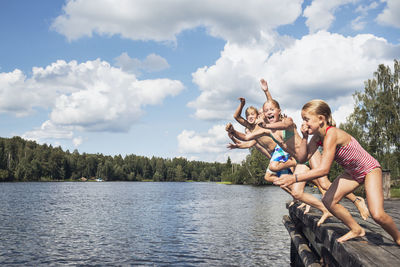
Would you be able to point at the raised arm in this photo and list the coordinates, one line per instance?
(264, 87)
(238, 113)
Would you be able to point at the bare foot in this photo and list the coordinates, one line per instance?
(291, 203)
(362, 208)
(397, 242)
(301, 205)
(351, 234)
(307, 209)
(324, 216)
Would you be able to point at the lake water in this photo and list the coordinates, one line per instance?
(131, 223)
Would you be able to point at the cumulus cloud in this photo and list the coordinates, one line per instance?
(213, 141)
(235, 74)
(320, 14)
(210, 145)
(90, 96)
(390, 15)
(152, 63)
(48, 131)
(163, 20)
(322, 65)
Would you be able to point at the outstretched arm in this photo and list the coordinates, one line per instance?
(284, 124)
(239, 144)
(258, 132)
(264, 87)
(330, 142)
(237, 115)
(247, 144)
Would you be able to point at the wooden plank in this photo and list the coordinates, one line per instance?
(307, 256)
(375, 249)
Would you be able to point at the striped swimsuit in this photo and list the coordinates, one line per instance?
(355, 160)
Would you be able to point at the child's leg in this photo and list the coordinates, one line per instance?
(269, 176)
(324, 183)
(342, 185)
(298, 193)
(373, 190)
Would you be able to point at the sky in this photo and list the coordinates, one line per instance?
(162, 78)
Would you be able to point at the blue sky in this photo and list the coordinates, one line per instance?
(161, 78)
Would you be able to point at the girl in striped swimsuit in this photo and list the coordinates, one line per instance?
(360, 167)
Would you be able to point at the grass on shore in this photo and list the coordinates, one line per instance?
(224, 182)
(395, 192)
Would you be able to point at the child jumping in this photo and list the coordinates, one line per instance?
(283, 130)
(360, 167)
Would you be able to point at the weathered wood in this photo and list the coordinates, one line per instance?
(386, 183)
(307, 256)
(376, 248)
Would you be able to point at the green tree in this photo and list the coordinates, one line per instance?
(375, 121)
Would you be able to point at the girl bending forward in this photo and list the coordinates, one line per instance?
(360, 167)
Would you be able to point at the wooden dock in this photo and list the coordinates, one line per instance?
(317, 246)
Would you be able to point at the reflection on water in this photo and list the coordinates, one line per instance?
(190, 224)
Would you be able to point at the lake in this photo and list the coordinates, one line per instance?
(142, 223)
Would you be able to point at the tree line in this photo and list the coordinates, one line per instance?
(23, 160)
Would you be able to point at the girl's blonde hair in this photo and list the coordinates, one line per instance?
(320, 107)
(248, 110)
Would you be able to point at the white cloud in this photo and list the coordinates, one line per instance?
(91, 96)
(77, 141)
(214, 141)
(320, 14)
(390, 15)
(235, 74)
(151, 63)
(209, 146)
(48, 131)
(156, 20)
(321, 65)
(360, 22)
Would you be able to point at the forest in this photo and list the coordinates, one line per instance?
(375, 123)
(22, 160)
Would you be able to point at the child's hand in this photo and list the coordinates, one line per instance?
(304, 130)
(242, 101)
(260, 119)
(232, 146)
(264, 85)
(229, 128)
(285, 180)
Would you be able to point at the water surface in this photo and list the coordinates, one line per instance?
(130, 223)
